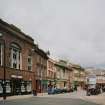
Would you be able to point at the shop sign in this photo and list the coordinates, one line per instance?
(15, 76)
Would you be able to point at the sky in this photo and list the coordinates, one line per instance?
(73, 30)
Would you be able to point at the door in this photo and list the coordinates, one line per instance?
(16, 86)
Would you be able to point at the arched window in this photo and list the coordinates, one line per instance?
(15, 56)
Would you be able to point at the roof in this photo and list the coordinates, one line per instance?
(77, 67)
(41, 52)
(52, 60)
(96, 71)
(62, 64)
(10, 28)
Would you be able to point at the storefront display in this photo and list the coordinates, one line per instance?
(8, 88)
(1, 89)
(29, 86)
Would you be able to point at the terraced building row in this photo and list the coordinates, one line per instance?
(25, 68)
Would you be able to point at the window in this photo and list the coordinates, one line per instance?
(1, 89)
(49, 73)
(8, 88)
(1, 54)
(39, 71)
(38, 59)
(29, 63)
(15, 56)
(29, 86)
(63, 72)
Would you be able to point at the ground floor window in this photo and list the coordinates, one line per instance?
(8, 87)
(1, 89)
(1, 54)
(22, 86)
(29, 86)
(16, 87)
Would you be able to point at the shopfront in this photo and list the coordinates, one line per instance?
(41, 86)
(1, 88)
(16, 87)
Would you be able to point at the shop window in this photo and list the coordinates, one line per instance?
(1, 89)
(1, 54)
(22, 87)
(29, 86)
(8, 88)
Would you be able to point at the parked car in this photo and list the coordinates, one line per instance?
(56, 91)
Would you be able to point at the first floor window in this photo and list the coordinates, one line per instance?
(29, 63)
(15, 56)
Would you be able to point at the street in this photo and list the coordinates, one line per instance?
(48, 101)
(75, 98)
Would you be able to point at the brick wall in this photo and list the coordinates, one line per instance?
(26, 48)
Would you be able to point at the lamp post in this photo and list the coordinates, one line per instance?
(34, 90)
(4, 67)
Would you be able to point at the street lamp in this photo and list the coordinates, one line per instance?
(4, 67)
(34, 90)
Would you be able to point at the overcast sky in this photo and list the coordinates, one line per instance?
(70, 29)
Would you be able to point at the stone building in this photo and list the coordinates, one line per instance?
(63, 75)
(99, 73)
(79, 75)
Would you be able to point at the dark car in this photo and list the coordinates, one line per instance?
(58, 91)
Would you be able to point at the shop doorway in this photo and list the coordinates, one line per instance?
(16, 86)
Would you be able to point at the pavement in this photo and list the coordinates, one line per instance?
(73, 98)
(47, 101)
(99, 99)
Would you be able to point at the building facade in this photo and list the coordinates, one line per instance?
(79, 75)
(19, 60)
(41, 71)
(99, 73)
(24, 62)
(63, 75)
(51, 72)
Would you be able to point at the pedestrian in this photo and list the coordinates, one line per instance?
(49, 89)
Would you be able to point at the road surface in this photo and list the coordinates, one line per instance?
(75, 98)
